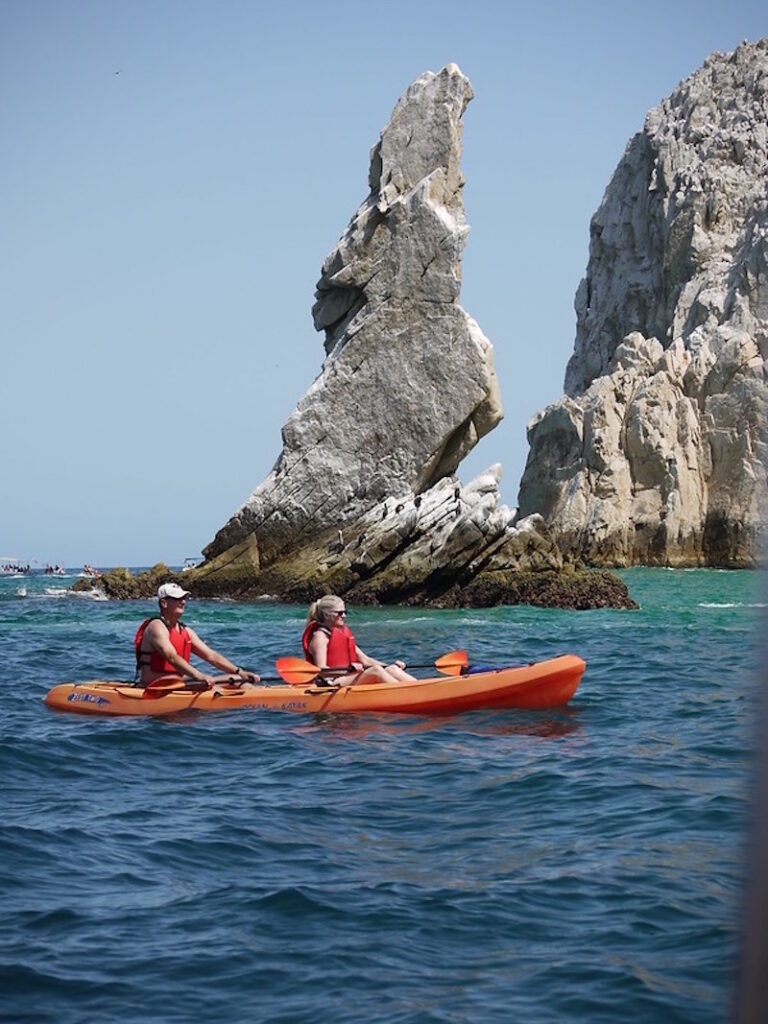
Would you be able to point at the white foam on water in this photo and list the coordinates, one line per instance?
(732, 604)
(91, 595)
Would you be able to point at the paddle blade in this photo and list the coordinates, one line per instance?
(296, 671)
(154, 690)
(160, 687)
(452, 664)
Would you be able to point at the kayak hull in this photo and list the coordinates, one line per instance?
(542, 684)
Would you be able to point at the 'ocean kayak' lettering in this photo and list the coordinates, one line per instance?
(287, 705)
(87, 698)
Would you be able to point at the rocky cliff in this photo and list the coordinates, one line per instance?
(363, 499)
(408, 385)
(657, 452)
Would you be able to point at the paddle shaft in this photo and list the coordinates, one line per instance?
(159, 687)
(297, 671)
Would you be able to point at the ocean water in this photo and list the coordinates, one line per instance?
(583, 864)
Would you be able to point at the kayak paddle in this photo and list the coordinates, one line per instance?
(297, 671)
(160, 687)
(450, 664)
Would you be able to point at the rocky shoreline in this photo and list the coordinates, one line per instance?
(571, 588)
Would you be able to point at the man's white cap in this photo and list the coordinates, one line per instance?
(171, 590)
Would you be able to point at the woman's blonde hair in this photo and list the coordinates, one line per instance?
(327, 603)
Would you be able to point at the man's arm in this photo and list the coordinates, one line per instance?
(213, 657)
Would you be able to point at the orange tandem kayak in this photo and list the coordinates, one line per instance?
(543, 684)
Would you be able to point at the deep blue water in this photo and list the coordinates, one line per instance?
(584, 864)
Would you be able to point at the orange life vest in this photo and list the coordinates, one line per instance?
(180, 641)
(342, 646)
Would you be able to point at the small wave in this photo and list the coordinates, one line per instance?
(61, 592)
(92, 595)
(733, 604)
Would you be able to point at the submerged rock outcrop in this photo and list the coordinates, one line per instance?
(364, 499)
(657, 452)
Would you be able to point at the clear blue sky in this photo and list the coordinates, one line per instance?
(172, 176)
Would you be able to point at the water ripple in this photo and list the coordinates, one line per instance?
(582, 864)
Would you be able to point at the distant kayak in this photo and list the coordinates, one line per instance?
(543, 684)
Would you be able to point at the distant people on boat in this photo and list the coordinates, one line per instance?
(88, 570)
(329, 643)
(54, 570)
(164, 645)
(14, 569)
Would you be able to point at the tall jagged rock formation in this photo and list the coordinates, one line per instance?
(657, 453)
(364, 500)
(408, 385)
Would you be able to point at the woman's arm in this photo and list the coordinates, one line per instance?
(318, 648)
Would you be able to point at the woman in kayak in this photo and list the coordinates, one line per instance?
(329, 643)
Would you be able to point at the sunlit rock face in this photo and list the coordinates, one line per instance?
(657, 452)
(408, 384)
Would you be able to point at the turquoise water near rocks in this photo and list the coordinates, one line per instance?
(583, 864)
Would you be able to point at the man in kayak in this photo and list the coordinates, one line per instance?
(164, 645)
(329, 643)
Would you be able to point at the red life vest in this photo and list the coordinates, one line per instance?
(180, 641)
(342, 646)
